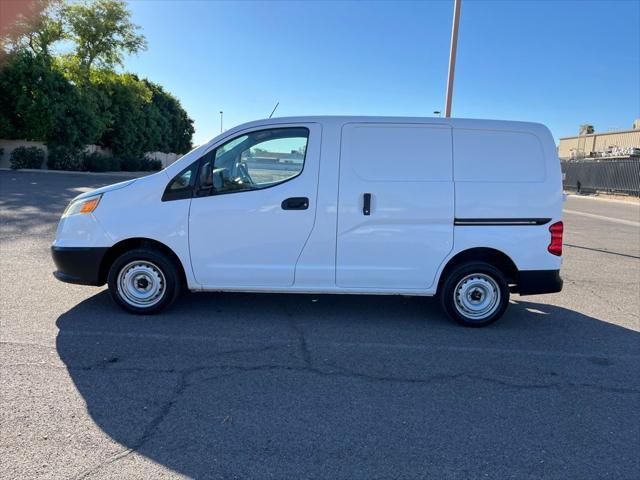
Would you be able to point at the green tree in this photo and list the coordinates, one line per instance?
(175, 127)
(38, 30)
(102, 32)
(37, 102)
(74, 99)
(125, 133)
(142, 117)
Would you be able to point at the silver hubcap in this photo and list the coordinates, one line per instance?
(477, 296)
(141, 284)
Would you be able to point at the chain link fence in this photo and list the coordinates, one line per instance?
(608, 175)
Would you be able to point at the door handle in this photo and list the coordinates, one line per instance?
(295, 203)
(366, 208)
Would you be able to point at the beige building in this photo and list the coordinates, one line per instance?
(619, 143)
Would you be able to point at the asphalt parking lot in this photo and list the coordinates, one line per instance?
(299, 386)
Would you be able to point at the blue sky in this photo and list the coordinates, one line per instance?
(561, 63)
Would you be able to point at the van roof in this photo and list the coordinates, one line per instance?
(336, 120)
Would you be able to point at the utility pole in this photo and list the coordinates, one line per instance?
(220, 121)
(452, 56)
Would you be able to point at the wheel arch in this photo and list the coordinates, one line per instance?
(495, 257)
(131, 243)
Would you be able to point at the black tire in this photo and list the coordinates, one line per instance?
(471, 278)
(144, 265)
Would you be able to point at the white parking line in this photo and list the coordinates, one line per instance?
(602, 217)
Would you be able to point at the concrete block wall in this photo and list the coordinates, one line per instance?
(9, 145)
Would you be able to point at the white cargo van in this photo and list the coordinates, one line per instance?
(466, 209)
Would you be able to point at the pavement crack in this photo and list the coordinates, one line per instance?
(602, 250)
(114, 363)
(303, 348)
(112, 459)
(496, 381)
(338, 371)
(153, 425)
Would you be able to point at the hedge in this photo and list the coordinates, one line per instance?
(27, 157)
(96, 162)
(62, 158)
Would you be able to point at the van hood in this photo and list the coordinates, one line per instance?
(107, 188)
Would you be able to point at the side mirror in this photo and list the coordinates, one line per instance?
(206, 176)
(218, 178)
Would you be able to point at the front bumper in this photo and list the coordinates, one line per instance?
(79, 265)
(535, 282)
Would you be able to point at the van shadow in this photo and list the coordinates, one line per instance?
(300, 386)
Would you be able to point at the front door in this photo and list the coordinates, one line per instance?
(395, 207)
(254, 207)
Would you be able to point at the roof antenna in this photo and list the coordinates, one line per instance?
(274, 109)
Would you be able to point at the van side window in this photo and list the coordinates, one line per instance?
(257, 160)
(181, 181)
(181, 186)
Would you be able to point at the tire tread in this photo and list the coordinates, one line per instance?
(165, 263)
(466, 268)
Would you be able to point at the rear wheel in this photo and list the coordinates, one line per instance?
(475, 294)
(143, 281)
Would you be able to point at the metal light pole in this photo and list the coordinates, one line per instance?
(220, 121)
(452, 56)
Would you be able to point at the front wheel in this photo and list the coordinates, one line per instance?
(475, 294)
(143, 281)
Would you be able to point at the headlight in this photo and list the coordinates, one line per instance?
(82, 205)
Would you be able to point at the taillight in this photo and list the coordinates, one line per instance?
(555, 247)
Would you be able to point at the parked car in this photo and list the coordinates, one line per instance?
(469, 210)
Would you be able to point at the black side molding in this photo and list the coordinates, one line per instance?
(501, 221)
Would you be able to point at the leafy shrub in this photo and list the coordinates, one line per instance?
(96, 162)
(27, 157)
(150, 165)
(134, 163)
(131, 163)
(64, 158)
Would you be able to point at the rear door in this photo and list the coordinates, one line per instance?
(395, 206)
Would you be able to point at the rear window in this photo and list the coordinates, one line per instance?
(497, 156)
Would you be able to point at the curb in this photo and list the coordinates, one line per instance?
(72, 172)
(602, 198)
